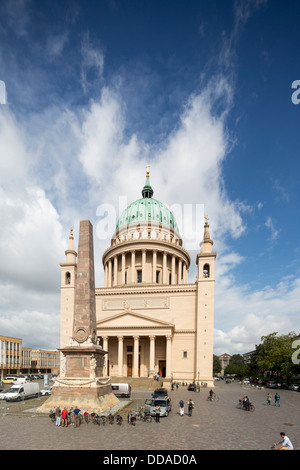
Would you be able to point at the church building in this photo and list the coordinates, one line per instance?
(149, 318)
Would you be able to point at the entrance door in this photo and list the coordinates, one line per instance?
(129, 365)
(162, 368)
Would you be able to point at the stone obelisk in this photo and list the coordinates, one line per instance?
(81, 382)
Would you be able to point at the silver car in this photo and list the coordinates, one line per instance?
(164, 403)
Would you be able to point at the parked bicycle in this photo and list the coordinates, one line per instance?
(111, 418)
(131, 418)
(52, 416)
(86, 417)
(247, 406)
(144, 416)
(119, 419)
(213, 397)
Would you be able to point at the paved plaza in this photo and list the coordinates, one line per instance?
(213, 426)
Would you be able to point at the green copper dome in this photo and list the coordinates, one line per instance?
(147, 209)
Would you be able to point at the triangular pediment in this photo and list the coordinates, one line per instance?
(129, 319)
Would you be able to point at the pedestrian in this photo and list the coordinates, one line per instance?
(76, 417)
(190, 407)
(72, 415)
(64, 415)
(157, 413)
(58, 416)
(285, 443)
(277, 399)
(269, 398)
(181, 407)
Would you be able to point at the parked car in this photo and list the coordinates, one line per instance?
(192, 387)
(272, 384)
(9, 379)
(46, 391)
(164, 403)
(160, 392)
(294, 387)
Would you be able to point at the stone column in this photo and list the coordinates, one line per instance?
(105, 348)
(120, 356)
(109, 273)
(133, 267)
(164, 268)
(116, 270)
(154, 262)
(106, 275)
(143, 265)
(180, 271)
(136, 356)
(123, 269)
(173, 270)
(152, 355)
(184, 273)
(168, 356)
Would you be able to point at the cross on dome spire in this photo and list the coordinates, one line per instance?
(147, 191)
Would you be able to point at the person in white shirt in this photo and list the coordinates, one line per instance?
(285, 443)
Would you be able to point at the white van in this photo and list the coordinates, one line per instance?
(19, 391)
(121, 390)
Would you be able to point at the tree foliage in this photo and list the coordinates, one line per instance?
(272, 357)
(275, 354)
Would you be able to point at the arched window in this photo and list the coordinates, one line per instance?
(68, 278)
(206, 272)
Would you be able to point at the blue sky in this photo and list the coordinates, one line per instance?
(201, 91)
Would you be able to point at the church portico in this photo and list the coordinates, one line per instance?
(139, 350)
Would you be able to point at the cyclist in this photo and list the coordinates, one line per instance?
(211, 393)
(246, 403)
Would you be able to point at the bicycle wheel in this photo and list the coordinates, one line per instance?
(239, 406)
(251, 408)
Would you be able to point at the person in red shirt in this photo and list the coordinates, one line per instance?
(64, 415)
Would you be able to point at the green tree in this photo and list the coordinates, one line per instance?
(216, 365)
(237, 366)
(274, 355)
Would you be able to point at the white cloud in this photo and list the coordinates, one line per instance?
(243, 316)
(92, 63)
(31, 243)
(2, 92)
(270, 224)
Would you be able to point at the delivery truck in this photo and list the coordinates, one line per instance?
(22, 391)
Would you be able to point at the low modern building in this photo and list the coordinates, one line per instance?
(15, 359)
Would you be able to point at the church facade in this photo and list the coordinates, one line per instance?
(149, 318)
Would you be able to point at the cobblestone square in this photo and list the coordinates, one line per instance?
(213, 425)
